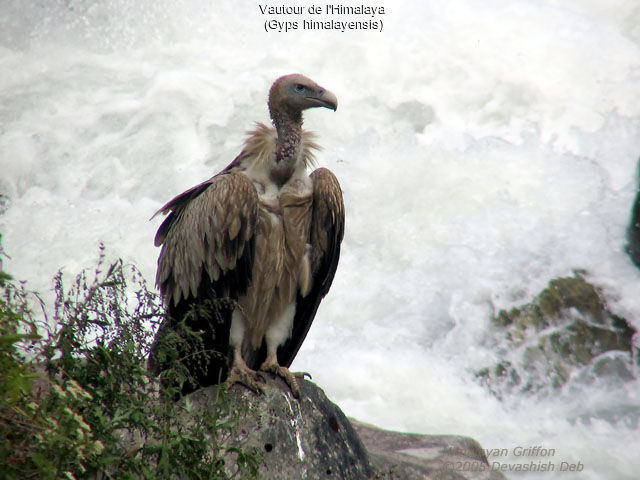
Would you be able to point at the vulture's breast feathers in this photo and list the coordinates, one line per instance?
(259, 160)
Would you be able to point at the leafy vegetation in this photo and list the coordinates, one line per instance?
(76, 400)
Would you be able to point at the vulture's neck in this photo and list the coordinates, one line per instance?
(289, 131)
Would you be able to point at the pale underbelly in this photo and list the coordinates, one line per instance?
(275, 276)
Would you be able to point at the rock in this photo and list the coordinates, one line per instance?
(311, 438)
(410, 456)
(568, 327)
(633, 230)
(296, 439)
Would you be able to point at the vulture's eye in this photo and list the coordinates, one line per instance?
(300, 88)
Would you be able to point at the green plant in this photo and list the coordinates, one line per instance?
(76, 400)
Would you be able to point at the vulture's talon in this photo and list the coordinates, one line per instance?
(302, 375)
(272, 369)
(246, 377)
(283, 372)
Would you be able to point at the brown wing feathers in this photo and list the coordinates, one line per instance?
(208, 231)
(207, 252)
(327, 231)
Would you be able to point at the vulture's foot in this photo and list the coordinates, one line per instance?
(245, 376)
(291, 378)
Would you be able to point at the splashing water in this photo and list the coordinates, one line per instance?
(482, 150)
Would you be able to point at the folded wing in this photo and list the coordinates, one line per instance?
(208, 244)
(208, 240)
(327, 231)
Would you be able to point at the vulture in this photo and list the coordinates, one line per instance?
(248, 255)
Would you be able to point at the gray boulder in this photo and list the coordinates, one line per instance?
(308, 438)
(311, 438)
(410, 456)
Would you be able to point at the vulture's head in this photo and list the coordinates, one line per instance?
(294, 93)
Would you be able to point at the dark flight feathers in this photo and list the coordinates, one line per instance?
(327, 231)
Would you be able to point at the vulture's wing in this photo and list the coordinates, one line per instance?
(208, 240)
(327, 230)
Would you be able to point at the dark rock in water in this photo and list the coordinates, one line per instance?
(409, 456)
(3, 208)
(4, 202)
(567, 328)
(633, 230)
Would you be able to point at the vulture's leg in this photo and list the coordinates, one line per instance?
(240, 371)
(277, 334)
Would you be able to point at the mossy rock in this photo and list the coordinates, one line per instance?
(568, 326)
(554, 303)
(572, 292)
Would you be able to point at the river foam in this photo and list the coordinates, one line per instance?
(482, 151)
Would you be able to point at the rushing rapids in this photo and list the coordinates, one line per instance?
(482, 150)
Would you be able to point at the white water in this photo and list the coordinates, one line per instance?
(483, 148)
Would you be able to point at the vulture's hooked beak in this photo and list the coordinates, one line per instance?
(324, 98)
